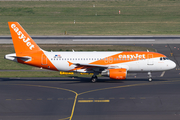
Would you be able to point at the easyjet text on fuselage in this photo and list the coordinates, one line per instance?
(133, 56)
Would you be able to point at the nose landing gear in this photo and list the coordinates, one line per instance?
(150, 76)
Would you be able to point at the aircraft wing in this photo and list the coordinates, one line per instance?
(95, 67)
(87, 65)
(90, 65)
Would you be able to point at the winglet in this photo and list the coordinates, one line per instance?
(70, 63)
(23, 43)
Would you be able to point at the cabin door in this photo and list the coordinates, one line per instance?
(150, 60)
(43, 59)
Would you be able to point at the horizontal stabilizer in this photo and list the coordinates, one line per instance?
(26, 58)
(13, 57)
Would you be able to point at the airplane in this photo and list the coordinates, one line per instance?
(115, 64)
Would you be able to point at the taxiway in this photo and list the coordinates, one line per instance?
(77, 99)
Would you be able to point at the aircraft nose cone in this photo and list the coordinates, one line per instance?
(172, 65)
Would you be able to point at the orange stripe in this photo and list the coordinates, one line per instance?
(37, 60)
(126, 57)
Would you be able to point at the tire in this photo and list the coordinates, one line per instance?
(93, 79)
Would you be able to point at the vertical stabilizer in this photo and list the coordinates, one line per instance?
(23, 43)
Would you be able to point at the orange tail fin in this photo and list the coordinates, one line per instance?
(23, 43)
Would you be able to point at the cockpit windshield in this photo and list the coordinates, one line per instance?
(164, 58)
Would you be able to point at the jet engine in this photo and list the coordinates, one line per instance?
(118, 74)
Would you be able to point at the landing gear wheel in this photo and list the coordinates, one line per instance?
(94, 79)
(150, 76)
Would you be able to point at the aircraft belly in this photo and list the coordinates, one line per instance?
(64, 66)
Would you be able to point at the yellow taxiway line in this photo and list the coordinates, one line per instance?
(86, 101)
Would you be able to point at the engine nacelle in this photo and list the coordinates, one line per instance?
(118, 74)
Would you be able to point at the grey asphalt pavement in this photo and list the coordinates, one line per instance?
(78, 99)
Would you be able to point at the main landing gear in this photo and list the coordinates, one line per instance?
(94, 78)
(150, 76)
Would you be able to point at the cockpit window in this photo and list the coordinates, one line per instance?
(164, 58)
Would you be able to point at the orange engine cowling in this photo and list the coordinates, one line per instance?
(119, 74)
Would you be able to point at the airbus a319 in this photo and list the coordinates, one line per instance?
(115, 65)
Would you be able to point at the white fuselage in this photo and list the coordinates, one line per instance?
(60, 60)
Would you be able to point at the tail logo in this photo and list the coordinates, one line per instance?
(21, 36)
